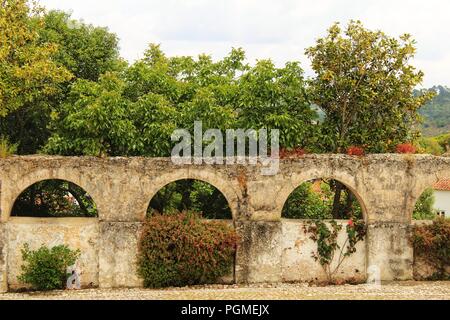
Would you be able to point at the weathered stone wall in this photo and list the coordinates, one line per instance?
(77, 233)
(281, 251)
(117, 256)
(387, 187)
(297, 263)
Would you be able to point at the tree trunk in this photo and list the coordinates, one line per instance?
(336, 211)
(349, 204)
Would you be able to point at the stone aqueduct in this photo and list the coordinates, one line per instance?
(272, 248)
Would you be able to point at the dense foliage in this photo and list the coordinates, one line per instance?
(46, 269)
(432, 243)
(75, 51)
(182, 249)
(135, 111)
(27, 68)
(365, 85)
(193, 196)
(316, 200)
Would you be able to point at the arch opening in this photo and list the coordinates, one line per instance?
(54, 198)
(191, 195)
(323, 199)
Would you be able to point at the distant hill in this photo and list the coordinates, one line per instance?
(437, 113)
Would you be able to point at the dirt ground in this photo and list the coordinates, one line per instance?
(387, 291)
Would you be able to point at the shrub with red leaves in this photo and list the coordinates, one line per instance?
(406, 148)
(355, 151)
(183, 249)
(431, 243)
(292, 153)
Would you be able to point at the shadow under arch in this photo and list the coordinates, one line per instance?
(54, 198)
(191, 195)
(288, 190)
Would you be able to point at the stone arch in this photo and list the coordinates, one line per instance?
(16, 188)
(217, 180)
(296, 180)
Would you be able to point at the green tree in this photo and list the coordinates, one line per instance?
(365, 84)
(83, 50)
(27, 67)
(304, 203)
(424, 209)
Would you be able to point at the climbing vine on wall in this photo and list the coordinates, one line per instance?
(325, 234)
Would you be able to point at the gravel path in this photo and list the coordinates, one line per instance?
(395, 290)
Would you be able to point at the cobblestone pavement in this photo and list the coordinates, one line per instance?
(388, 291)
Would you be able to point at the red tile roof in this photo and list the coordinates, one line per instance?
(442, 185)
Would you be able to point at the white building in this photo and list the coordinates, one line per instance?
(442, 197)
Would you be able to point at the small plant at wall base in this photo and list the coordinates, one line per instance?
(182, 249)
(46, 269)
(432, 243)
(325, 234)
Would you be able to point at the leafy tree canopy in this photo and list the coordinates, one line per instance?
(135, 110)
(68, 50)
(27, 67)
(365, 85)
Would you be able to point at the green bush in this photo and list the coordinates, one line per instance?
(46, 269)
(306, 202)
(424, 209)
(182, 249)
(432, 243)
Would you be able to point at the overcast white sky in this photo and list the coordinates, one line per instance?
(279, 30)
